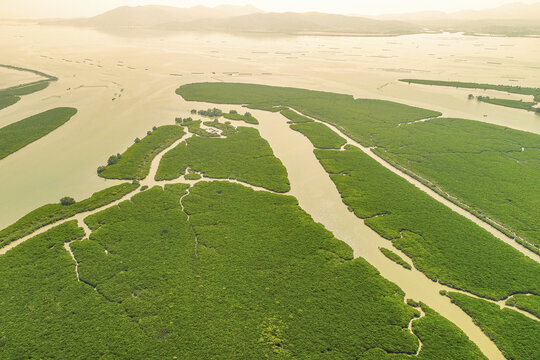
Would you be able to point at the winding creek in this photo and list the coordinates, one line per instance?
(318, 196)
(65, 160)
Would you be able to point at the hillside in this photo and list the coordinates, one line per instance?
(297, 23)
(153, 15)
(514, 19)
(504, 12)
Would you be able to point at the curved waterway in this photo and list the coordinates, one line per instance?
(318, 196)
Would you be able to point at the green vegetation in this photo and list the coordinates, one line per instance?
(320, 135)
(477, 165)
(266, 107)
(250, 275)
(192, 176)
(66, 201)
(441, 339)
(260, 280)
(51, 213)
(517, 104)
(194, 127)
(395, 258)
(6, 101)
(12, 94)
(441, 243)
(468, 85)
(247, 117)
(526, 302)
(360, 119)
(242, 155)
(226, 128)
(57, 316)
(514, 334)
(491, 168)
(210, 112)
(15, 136)
(135, 162)
(294, 116)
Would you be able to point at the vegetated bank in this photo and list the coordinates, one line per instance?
(514, 333)
(17, 135)
(488, 169)
(134, 163)
(12, 95)
(516, 104)
(526, 302)
(394, 130)
(444, 245)
(248, 275)
(243, 155)
(51, 213)
(469, 85)
(395, 258)
(461, 260)
(358, 118)
(320, 135)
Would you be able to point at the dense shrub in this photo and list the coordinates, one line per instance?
(67, 201)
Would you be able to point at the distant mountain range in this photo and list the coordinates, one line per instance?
(299, 23)
(512, 19)
(155, 15)
(512, 11)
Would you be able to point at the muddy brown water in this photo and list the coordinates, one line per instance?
(124, 85)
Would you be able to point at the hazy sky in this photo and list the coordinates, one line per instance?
(73, 8)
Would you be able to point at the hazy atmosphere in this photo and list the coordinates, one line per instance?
(74, 8)
(280, 180)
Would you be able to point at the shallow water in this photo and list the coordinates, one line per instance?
(10, 77)
(123, 86)
(141, 74)
(318, 196)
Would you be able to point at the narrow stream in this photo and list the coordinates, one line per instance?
(484, 225)
(318, 196)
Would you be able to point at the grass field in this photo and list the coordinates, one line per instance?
(444, 245)
(135, 162)
(51, 213)
(17, 135)
(514, 334)
(244, 155)
(469, 85)
(320, 135)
